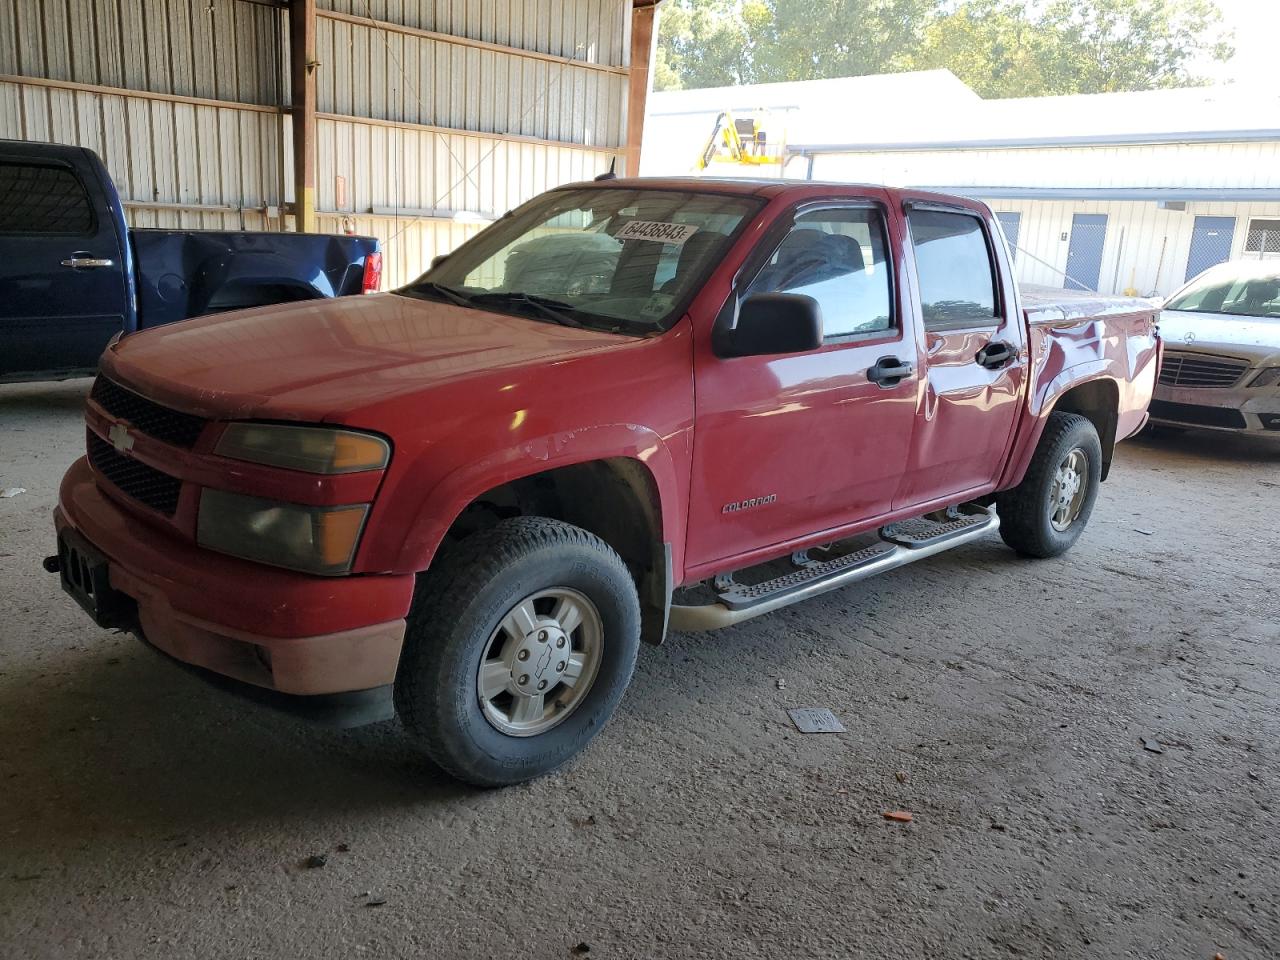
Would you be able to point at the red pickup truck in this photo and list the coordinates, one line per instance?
(626, 407)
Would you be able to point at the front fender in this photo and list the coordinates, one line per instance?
(434, 508)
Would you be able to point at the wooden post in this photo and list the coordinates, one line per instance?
(644, 17)
(302, 73)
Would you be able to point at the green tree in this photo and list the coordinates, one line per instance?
(990, 45)
(701, 44)
(1108, 45)
(1001, 48)
(805, 39)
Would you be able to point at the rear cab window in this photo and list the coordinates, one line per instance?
(956, 273)
(43, 199)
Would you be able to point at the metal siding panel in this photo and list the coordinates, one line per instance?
(57, 41)
(182, 51)
(106, 16)
(10, 61)
(28, 38)
(88, 121)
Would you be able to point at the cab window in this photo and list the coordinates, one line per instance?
(953, 262)
(838, 257)
(37, 198)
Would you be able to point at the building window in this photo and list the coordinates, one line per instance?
(1264, 237)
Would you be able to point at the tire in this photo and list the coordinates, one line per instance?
(491, 600)
(1031, 514)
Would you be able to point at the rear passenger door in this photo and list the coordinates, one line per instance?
(62, 286)
(974, 358)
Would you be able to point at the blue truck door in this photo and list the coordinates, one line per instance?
(1084, 255)
(1011, 223)
(62, 283)
(1210, 243)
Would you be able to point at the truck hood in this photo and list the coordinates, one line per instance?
(316, 358)
(1250, 338)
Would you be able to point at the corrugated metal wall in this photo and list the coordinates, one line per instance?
(434, 115)
(124, 77)
(1146, 248)
(424, 137)
(1225, 165)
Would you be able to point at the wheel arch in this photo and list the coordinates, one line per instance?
(619, 499)
(1098, 401)
(1086, 390)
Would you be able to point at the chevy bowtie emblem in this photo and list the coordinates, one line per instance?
(119, 437)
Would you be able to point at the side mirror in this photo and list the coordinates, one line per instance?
(771, 323)
(436, 261)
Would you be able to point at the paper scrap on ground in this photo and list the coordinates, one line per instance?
(815, 720)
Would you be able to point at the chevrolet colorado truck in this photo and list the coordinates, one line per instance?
(73, 275)
(626, 407)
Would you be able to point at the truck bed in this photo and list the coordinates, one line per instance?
(189, 273)
(1055, 304)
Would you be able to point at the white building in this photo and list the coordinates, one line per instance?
(1114, 192)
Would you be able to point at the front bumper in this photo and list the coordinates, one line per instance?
(281, 632)
(1235, 409)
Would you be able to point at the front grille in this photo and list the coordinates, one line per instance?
(170, 426)
(1198, 370)
(147, 485)
(1195, 415)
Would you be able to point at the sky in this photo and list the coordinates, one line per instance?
(1257, 25)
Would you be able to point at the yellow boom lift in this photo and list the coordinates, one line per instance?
(740, 141)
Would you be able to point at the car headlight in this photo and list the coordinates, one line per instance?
(310, 449)
(1267, 378)
(310, 539)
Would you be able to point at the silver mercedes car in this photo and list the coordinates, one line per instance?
(1221, 367)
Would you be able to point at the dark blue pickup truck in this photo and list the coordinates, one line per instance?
(73, 275)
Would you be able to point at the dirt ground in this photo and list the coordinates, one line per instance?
(1003, 702)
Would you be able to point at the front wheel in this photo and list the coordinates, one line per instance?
(1045, 514)
(519, 646)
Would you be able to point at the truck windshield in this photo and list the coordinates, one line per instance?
(1235, 289)
(617, 259)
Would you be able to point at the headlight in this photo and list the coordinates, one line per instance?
(311, 539)
(312, 449)
(1267, 378)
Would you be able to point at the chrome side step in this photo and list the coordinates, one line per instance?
(900, 544)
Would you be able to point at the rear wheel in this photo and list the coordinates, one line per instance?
(1045, 514)
(520, 644)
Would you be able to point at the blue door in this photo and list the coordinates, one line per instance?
(62, 289)
(1011, 223)
(1210, 243)
(1084, 255)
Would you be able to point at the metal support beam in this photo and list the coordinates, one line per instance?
(644, 36)
(302, 73)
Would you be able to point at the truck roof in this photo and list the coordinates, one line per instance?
(768, 188)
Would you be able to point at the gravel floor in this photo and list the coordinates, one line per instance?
(1003, 702)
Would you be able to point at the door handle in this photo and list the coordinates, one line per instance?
(889, 372)
(995, 354)
(80, 263)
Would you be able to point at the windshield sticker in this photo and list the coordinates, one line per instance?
(672, 233)
(658, 305)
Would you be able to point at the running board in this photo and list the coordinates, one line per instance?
(900, 544)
